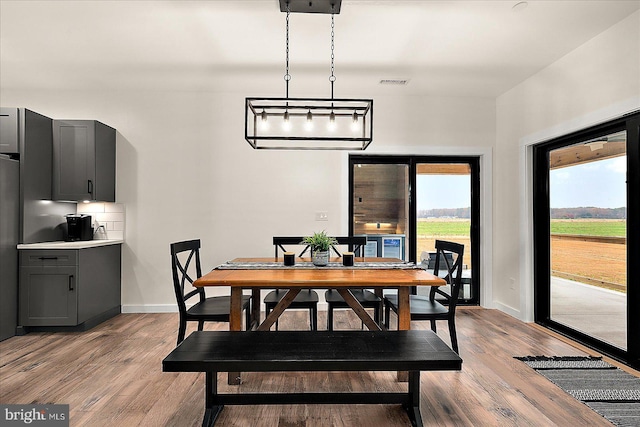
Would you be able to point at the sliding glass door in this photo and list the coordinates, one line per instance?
(403, 204)
(443, 204)
(586, 225)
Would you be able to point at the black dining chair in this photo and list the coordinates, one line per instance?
(186, 268)
(365, 297)
(307, 299)
(427, 308)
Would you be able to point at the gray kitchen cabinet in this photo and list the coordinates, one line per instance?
(69, 287)
(8, 130)
(84, 161)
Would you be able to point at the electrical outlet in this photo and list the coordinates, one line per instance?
(512, 283)
(322, 216)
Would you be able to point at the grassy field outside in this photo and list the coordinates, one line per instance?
(592, 261)
(584, 227)
(452, 229)
(443, 227)
(590, 227)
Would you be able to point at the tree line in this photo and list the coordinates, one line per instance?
(589, 212)
(556, 213)
(446, 213)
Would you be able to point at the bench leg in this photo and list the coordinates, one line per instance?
(211, 409)
(413, 405)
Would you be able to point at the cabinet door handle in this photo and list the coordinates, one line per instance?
(48, 257)
(90, 187)
(71, 283)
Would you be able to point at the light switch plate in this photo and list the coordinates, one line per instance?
(322, 216)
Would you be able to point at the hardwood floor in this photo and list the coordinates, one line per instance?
(112, 376)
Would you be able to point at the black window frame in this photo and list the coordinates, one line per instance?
(541, 235)
(412, 161)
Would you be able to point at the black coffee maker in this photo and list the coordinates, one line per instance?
(79, 227)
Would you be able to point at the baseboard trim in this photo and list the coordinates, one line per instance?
(81, 327)
(506, 309)
(149, 308)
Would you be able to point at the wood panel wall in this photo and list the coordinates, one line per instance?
(380, 204)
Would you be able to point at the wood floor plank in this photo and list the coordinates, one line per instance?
(112, 375)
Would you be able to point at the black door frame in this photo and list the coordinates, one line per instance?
(541, 232)
(412, 161)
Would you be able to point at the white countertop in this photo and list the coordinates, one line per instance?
(71, 245)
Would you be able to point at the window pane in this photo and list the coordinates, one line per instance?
(587, 190)
(380, 208)
(443, 201)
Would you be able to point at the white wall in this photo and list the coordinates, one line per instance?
(185, 171)
(597, 81)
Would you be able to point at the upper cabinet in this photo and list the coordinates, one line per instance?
(84, 161)
(8, 130)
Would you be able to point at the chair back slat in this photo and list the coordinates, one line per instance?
(446, 252)
(355, 243)
(186, 268)
(279, 243)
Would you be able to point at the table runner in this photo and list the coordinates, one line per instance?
(230, 265)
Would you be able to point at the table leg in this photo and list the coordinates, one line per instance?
(404, 320)
(255, 308)
(379, 293)
(404, 310)
(358, 309)
(286, 300)
(235, 324)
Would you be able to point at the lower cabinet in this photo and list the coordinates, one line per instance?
(69, 287)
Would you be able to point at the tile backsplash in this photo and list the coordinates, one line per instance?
(111, 216)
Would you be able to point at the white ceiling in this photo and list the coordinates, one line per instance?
(459, 48)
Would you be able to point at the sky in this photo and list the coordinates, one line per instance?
(599, 184)
(443, 191)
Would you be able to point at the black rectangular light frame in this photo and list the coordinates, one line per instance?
(347, 136)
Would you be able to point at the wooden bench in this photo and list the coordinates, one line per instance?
(263, 351)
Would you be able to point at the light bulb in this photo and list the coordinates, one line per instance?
(309, 124)
(332, 121)
(264, 124)
(354, 123)
(286, 125)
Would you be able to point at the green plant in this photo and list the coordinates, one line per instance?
(319, 241)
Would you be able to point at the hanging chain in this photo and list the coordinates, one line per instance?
(287, 76)
(332, 78)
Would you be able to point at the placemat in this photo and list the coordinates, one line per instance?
(229, 265)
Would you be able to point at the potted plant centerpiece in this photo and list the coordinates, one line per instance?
(320, 245)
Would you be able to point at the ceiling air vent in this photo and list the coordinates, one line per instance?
(396, 82)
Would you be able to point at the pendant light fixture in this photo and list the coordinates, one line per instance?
(309, 123)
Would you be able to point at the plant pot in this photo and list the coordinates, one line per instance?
(320, 258)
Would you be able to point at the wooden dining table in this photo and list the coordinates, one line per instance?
(257, 275)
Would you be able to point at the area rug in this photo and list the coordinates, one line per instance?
(611, 392)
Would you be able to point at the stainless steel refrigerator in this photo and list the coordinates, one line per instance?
(9, 237)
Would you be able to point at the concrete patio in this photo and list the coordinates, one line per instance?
(598, 312)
